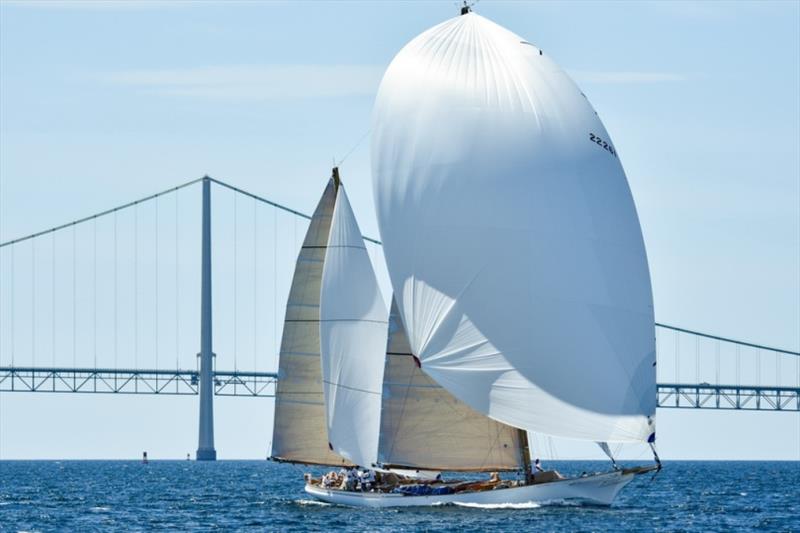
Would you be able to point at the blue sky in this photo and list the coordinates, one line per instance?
(102, 102)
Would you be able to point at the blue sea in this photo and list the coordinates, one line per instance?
(261, 496)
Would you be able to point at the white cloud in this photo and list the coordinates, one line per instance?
(625, 77)
(254, 82)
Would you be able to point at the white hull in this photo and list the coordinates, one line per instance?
(599, 489)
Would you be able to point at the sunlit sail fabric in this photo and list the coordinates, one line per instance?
(424, 427)
(511, 236)
(353, 339)
(299, 431)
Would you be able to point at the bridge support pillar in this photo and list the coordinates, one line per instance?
(205, 446)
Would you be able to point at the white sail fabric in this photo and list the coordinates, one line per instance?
(299, 432)
(424, 427)
(353, 339)
(511, 237)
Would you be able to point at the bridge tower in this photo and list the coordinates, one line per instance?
(205, 446)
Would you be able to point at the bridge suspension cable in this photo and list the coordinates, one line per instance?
(726, 339)
(699, 358)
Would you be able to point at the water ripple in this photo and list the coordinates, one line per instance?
(259, 496)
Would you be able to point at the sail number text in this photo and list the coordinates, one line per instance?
(600, 142)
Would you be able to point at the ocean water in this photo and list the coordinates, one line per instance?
(261, 496)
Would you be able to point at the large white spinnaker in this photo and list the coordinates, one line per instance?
(511, 236)
(353, 321)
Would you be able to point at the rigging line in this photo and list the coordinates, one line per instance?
(101, 213)
(366, 133)
(724, 339)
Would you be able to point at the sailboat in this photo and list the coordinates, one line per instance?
(522, 298)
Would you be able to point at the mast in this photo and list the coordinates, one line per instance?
(526, 455)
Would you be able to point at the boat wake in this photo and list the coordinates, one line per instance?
(312, 502)
(523, 505)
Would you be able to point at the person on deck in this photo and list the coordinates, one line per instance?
(329, 479)
(536, 468)
(349, 479)
(367, 480)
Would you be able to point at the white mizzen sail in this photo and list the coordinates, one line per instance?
(353, 339)
(511, 237)
(299, 432)
(424, 427)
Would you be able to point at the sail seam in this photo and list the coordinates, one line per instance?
(356, 389)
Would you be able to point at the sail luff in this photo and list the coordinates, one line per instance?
(299, 427)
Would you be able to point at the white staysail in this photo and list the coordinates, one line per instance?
(299, 432)
(511, 237)
(353, 339)
(424, 427)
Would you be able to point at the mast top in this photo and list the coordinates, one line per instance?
(466, 7)
(335, 176)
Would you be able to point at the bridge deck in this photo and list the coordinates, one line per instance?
(262, 384)
(133, 381)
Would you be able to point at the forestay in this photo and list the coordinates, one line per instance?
(511, 237)
(299, 431)
(353, 340)
(424, 427)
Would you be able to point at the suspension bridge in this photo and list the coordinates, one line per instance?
(109, 304)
